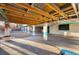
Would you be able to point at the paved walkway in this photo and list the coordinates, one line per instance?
(26, 44)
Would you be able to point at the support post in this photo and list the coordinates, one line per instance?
(28, 29)
(45, 31)
(25, 29)
(7, 27)
(33, 30)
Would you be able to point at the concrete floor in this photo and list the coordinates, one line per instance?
(25, 44)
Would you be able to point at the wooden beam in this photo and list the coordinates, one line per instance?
(75, 9)
(31, 20)
(19, 11)
(17, 20)
(3, 14)
(70, 7)
(69, 11)
(64, 9)
(39, 20)
(35, 20)
(47, 9)
(15, 14)
(38, 11)
(21, 20)
(57, 9)
(20, 17)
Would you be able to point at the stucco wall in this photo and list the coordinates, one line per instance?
(74, 30)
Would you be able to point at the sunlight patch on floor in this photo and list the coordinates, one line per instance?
(10, 50)
(39, 45)
(19, 48)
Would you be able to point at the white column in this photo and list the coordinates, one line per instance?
(45, 31)
(25, 29)
(28, 29)
(33, 30)
(22, 28)
(7, 31)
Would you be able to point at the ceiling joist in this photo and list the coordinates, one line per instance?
(13, 9)
(75, 9)
(21, 20)
(36, 10)
(57, 9)
(17, 12)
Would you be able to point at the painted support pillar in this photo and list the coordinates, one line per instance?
(28, 29)
(45, 31)
(7, 29)
(33, 30)
(22, 28)
(7, 25)
(25, 29)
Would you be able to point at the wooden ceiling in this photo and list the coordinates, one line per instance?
(37, 13)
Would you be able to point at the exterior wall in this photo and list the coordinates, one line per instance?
(73, 30)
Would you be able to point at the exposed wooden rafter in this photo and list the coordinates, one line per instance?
(21, 19)
(75, 9)
(26, 18)
(17, 12)
(13, 9)
(36, 10)
(20, 12)
(57, 9)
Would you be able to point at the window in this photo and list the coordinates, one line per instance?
(64, 27)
